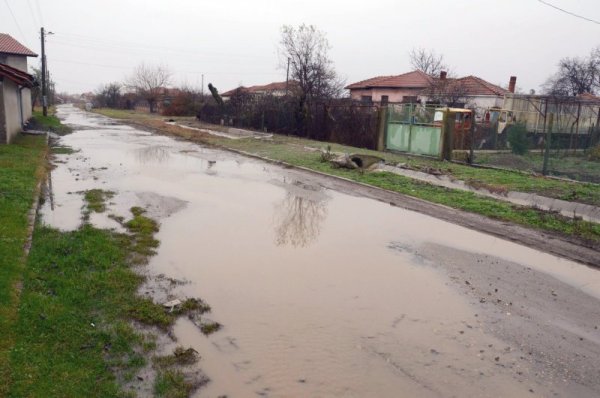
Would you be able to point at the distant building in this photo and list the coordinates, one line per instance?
(277, 89)
(384, 89)
(417, 86)
(15, 87)
(469, 91)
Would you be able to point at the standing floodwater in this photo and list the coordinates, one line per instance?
(325, 294)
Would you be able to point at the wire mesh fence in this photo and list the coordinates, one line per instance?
(557, 136)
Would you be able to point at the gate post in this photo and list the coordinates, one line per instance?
(382, 128)
(447, 128)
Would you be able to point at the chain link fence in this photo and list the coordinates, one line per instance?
(556, 136)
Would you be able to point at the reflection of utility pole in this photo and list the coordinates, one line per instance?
(44, 101)
(287, 77)
(44, 73)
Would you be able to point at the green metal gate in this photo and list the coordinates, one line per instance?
(414, 129)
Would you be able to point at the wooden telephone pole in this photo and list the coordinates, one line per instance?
(44, 94)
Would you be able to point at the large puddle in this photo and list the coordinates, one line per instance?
(320, 293)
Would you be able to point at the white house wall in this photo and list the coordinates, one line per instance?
(12, 114)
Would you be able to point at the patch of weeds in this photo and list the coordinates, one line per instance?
(191, 306)
(147, 312)
(210, 328)
(175, 384)
(181, 357)
(143, 230)
(96, 199)
(48, 123)
(63, 150)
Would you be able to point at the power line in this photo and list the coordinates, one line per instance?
(64, 61)
(569, 12)
(91, 42)
(35, 18)
(37, 3)
(16, 23)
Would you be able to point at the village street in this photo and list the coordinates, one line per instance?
(323, 293)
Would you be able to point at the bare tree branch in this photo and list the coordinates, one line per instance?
(149, 82)
(427, 61)
(307, 48)
(575, 76)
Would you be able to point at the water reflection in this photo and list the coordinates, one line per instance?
(299, 216)
(154, 153)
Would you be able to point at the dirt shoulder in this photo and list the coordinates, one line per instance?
(548, 232)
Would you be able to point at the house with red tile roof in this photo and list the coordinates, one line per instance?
(469, 91)
(417, 86)
(277, 89)
(15, 87)
(383, 89)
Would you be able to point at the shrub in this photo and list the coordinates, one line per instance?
(517, 138)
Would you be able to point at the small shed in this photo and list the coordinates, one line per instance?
(15, 87)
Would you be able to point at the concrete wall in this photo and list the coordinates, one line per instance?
(26, 103)
(16, 61)
(12, 112)
(15, 106)
(394, 94)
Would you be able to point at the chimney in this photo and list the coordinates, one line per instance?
(443, 75)
(512, 84)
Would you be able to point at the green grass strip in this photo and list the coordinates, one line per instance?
(21, 167)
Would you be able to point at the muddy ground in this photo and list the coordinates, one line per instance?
(323, 291)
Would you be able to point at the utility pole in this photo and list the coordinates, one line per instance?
(202, 87)
(44, 98)
(287, 77)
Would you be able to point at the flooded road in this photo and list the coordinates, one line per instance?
(325, 294)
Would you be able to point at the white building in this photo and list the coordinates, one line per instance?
(15, 87)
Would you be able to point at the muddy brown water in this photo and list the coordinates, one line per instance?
(323, 294)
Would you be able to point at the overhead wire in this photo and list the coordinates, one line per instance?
(102, 44)
(34, 18)
(16, 23)
(39, 8)
(177, 71)
(569, 12)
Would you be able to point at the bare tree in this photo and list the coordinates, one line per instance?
(306, 48)
(448, 92)
(108, 95)
(149, 82)
(576, 76)
(427, 61)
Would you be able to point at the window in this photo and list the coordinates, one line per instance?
(385, 99)
(366, 99)
(409, 99)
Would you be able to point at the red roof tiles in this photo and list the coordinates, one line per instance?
(276, 86)
(473, 85)
(19, 77)
(414, 79)
(9, 45)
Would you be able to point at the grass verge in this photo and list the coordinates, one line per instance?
(48, 123)
(22, 165)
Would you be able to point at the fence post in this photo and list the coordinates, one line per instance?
(548, 138)
(447, 127)
(472, 148)
(381, 128)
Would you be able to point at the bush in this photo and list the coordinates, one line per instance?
(517, 138)
(594, 153)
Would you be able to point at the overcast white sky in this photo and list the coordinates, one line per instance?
(235, 42)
